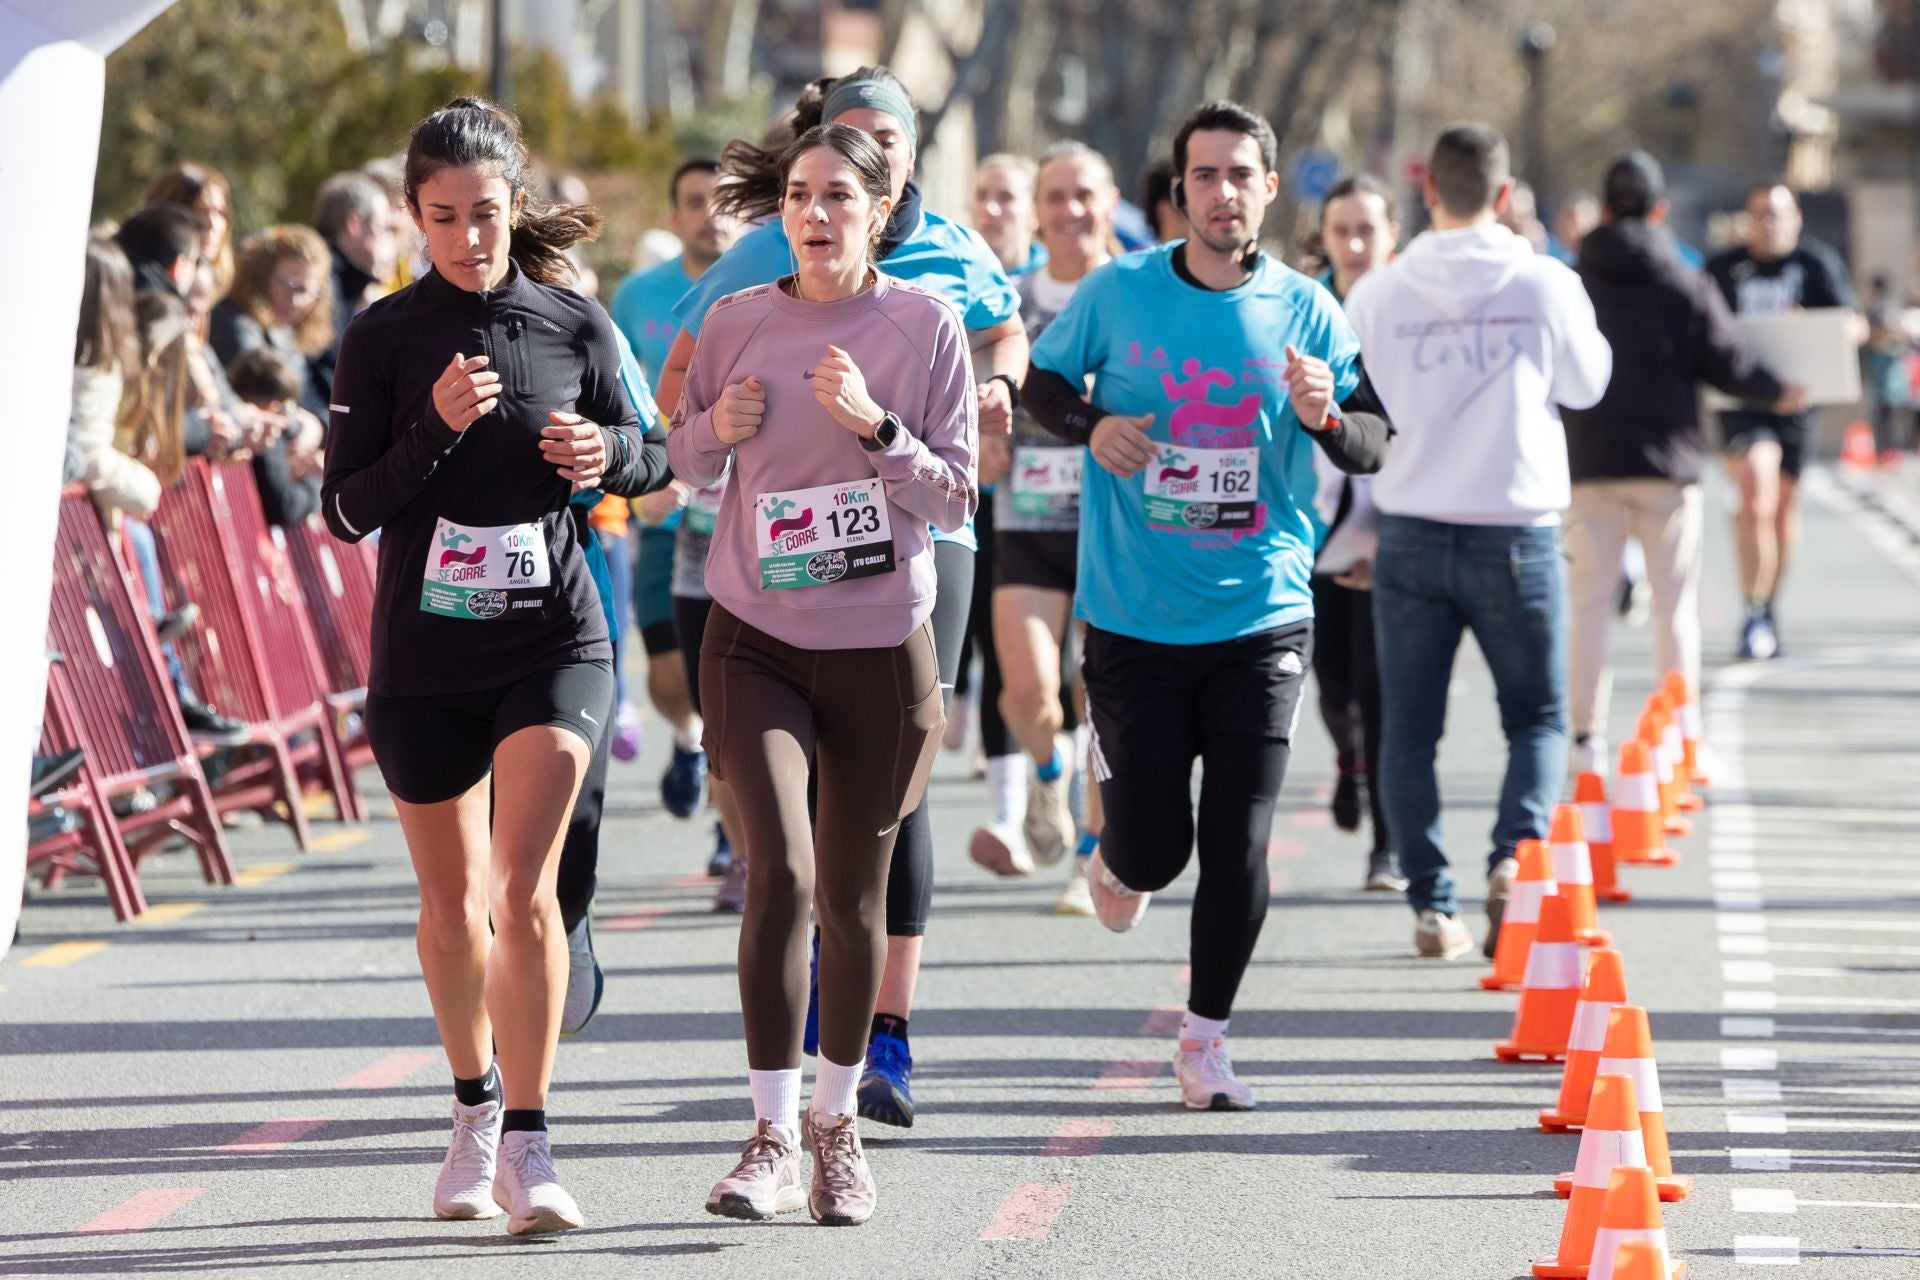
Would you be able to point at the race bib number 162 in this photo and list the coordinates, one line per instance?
(1188, 488)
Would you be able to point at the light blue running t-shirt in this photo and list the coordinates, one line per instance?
(943, 256)
(1215, 539)
(643, 310)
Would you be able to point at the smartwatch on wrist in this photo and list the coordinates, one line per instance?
(885, 434)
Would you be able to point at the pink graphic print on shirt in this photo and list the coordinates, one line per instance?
(1203, 424)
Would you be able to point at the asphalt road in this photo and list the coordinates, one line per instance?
(248, 1084)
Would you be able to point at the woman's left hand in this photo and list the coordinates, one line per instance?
(841, 390)
(577, 449)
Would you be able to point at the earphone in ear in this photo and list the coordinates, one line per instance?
(1178, 194)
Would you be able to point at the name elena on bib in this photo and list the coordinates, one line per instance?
(1189, 488)
(810, 537)
(1046, 480)
(481, 573)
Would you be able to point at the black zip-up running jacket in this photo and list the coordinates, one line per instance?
(395, 466)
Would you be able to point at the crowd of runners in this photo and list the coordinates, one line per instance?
(1103, 481)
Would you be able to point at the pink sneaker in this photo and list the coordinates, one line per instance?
(1207, 1082)
(765, 1183)
(843, 1193)
(1118, 907)
(626, 733)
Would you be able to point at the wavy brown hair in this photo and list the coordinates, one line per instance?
(751, 180)
(260, 256)
(190, 184)
(153, 402)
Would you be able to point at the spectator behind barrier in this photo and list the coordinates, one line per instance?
(286, 468)
(106, 353)
(354, 215)
(203, 190)
(280, 298)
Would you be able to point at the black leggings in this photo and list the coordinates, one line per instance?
(978, 639)
(866, 724)
(1155, 709)
(910, 881)
(1347, 669)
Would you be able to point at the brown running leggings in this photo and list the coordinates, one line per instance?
(870, 719)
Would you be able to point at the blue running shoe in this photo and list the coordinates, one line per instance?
(886, 1091)
(810, 1040)
(685, 782)
(722, 853)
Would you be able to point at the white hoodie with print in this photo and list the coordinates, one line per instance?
(1473, 342)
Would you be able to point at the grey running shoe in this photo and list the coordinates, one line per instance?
(765, 1183)
(585, 981)
(1049, 828)
(1381, 875)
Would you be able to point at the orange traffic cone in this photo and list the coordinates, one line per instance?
(1606, 986)
(1857, 449)
(1550, 992)
(1692, 734)
(1637, 834)
(1629, 1052)
(1596, 822)
(1631, 1228)
(1522, 919)
(1573, 873)
(1610, 1139)
(1674, 743)
(1654, 733)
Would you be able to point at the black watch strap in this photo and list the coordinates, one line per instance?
(1013, 385)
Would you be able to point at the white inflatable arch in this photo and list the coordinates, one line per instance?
(52, 75)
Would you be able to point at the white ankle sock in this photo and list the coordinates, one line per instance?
(776, 1098)
(688, 739)
(1007, 787)
(835, 1088)
(1195, 1027)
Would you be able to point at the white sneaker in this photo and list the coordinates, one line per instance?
(1050, 828)
(466, 1175)
(1589, 756)
(525, 1185)
(1076, 896)
(585, 981)
(1207, 1082)
(1001, 849)
(1440, 937)
(959, 721)
(1118, 907)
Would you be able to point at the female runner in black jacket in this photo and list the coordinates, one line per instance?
(467, 408)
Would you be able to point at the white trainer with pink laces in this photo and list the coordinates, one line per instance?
(1118, 907)
(1207, 1082)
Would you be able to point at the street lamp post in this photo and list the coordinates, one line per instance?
(1535, 42)
(500, 77)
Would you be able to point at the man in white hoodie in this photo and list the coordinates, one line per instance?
(1472, 342)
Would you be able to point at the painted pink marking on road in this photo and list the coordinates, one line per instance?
(1129, 1074)
(275, 1135)
(1312, 819)
(1285, 847)
(691, 880)
(628, 922)
(1163, 1021)
(1028, 1211)
(1184, 976)
(145, 1209)
(1078, 1138)
(386, 1072)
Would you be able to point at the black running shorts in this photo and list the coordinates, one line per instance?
(436, 747)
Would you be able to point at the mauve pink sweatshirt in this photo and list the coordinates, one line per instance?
(912, 350)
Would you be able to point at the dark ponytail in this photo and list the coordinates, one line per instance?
(751, 180)
(471, 131)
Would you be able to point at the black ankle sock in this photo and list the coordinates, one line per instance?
(886, 1024)
(523, 1121)
(471, 1093)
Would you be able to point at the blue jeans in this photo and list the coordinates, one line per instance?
(146, 552)
(1432, 582)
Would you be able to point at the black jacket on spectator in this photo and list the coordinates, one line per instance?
(1670, 331)
(231, 330)
(349, 286)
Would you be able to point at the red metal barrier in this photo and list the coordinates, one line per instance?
(252, 653)
(112, 697)
(336, 578)
(93, 845)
